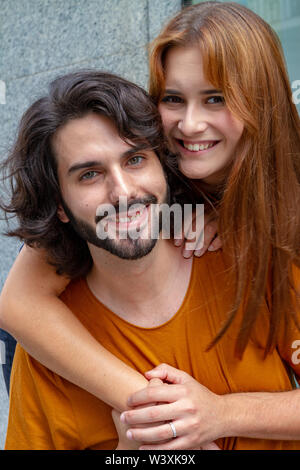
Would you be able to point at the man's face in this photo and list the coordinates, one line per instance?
(96, 167)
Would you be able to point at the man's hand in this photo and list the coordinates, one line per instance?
(194, 410)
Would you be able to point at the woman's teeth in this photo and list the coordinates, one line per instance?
(197, 147)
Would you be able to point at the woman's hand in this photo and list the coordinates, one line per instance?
(201, 240)
(194, 410)
(124, 442)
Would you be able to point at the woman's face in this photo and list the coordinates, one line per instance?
(198, 124)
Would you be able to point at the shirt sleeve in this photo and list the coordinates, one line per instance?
(40, 414)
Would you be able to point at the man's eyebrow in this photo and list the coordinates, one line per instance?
(135, 149)
(98, 163)
(82, 165)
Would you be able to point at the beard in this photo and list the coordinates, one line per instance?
(129, 249)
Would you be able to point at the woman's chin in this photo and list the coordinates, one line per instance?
(210, 176)
(193, 172)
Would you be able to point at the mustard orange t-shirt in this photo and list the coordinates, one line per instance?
(48, 412)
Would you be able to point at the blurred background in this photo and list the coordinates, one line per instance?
(41, 39)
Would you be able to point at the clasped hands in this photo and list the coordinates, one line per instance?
(171, 396)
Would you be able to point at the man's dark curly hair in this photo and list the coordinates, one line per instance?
(31, 165)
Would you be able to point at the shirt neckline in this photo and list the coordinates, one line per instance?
(133, 325)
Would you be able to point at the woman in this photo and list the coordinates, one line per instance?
(218, 77)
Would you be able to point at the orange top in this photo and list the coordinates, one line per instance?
(48, 412)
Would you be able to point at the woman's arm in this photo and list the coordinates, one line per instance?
(31, 311)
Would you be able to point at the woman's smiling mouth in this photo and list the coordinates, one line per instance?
(197, 146)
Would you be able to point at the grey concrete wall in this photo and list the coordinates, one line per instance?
(41, 39)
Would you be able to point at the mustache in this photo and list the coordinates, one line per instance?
(108, 210)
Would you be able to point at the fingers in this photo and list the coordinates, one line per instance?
(215, 245)
(153, 394)
(178, 240)
(155, 382)
(210, 230)
(197, 240)
(150, 414)
(180, 443)
(153, 435)
(191, 236)
(167, 373)
(121, 428)
(194, 235)
(162, 434)
(208, 242)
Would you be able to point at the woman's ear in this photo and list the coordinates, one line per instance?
(62, 215)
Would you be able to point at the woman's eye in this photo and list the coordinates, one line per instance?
(136, 160)
(172, 99)
(216, 100)
(89, 175)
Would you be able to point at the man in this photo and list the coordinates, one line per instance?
(94, 140)
(87, 164)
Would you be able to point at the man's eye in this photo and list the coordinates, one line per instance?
(136, 160)
(89, 175)
(172, 99)
(216, 100)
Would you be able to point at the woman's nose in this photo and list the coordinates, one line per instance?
(193, 122)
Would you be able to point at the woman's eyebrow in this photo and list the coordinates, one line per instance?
(210, 91)
(168, 91)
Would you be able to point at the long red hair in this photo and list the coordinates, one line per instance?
(259, 208)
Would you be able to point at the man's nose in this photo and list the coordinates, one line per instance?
(193, 121)
(121, 184)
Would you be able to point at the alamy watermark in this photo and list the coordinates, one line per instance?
(2, 352)
(296, 353)
(2, 92)
(296, 93)
(152, 221)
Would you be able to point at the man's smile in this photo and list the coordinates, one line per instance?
(132, 219)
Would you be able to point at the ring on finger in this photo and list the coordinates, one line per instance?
(173, 429)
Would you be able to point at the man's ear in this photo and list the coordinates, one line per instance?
(62, 215)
